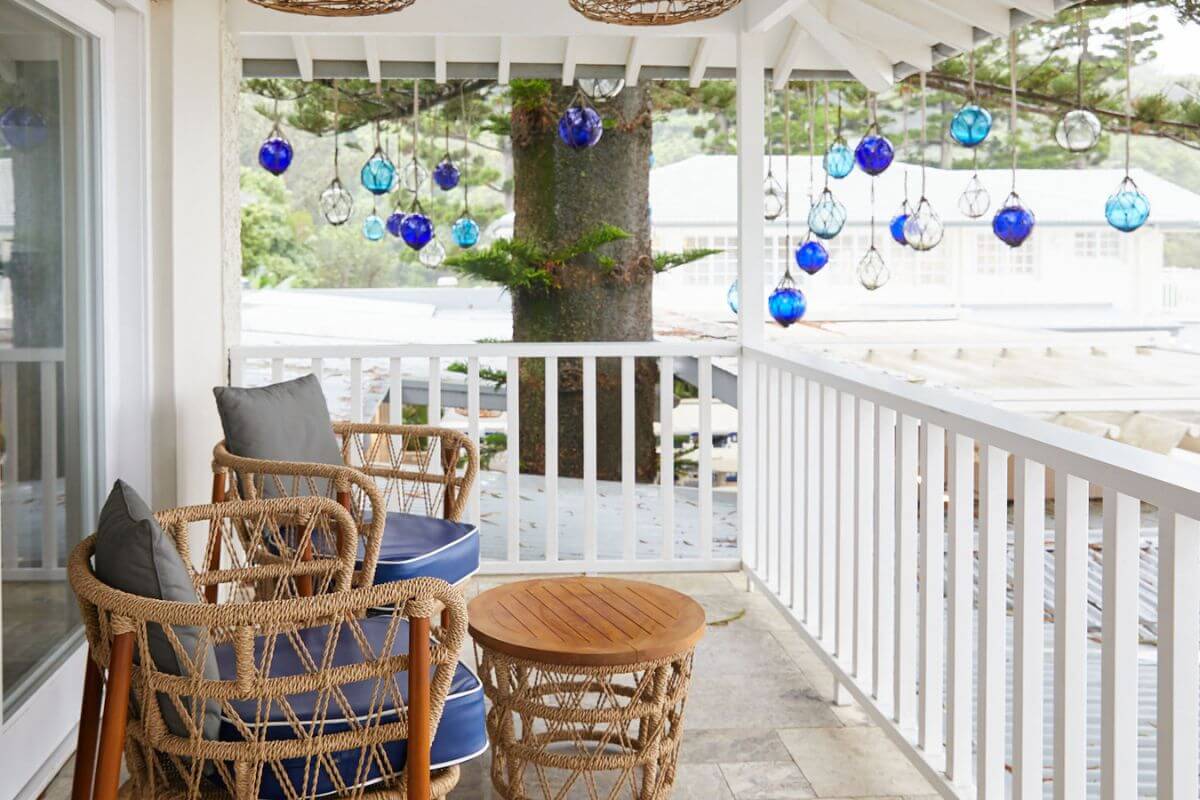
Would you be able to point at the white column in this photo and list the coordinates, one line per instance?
(750, 137)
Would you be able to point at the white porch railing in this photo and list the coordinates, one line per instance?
(676, 530)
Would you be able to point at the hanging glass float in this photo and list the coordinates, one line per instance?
(337, 204)
(731, 297)
(580, 126)
(275, 153)
(433, 254)
(786, 303)
(874, 153)
(446, 174)
(827, 216)
(413, 175)
(416, 229)
(601, 88)
(923, 230)
(971, 125)
(23, 128)
(872, 271)
(811, 256)
(839, 159)
(896, 226)
(1127, 209)
(772, 198)
(378, 174)
(394, 221)
(374, 228)
(1013, 223)
(1078, 131)
(465, 232)
(975, 200)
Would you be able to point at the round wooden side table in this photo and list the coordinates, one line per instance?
(587, 679)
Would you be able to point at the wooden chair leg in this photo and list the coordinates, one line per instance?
(420, 738)
(116, 712)
(89, 729)
(214, 534)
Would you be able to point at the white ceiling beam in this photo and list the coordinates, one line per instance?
(865, 23)
(869, 66)
(304, 58)
(633, 62)
(788, 58)
(439, 59)
(570, 56)
(504, 64)
(986, 15)
(700, 60)
(762, 15)
(1038, 9)
(371, 56)
(932, 24)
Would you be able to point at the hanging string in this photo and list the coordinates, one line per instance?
(839, 113)
(787, 179)
(827, 136)
(378, 122)
(1128, 82)
(812, 135)
(873, 206)
(770, 95)
(1012, 107)
(462, 99)
(1083, 43)
(336, 127)
(971, 74)
(923, 138)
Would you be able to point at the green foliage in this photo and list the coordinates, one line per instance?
(519, 264)
(497, 377)
(666, 261)
(491, 445)
(529, 95)
(590, 242)
(273, 253)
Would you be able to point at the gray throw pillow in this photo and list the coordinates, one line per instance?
(134, 555)
(286, 421)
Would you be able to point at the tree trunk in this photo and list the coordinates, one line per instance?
(561, 194)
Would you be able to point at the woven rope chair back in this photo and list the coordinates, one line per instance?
(275, 694)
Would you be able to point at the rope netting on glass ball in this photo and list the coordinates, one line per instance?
(336, 202)
(923, 229)
(275, 154)
(1079, 129)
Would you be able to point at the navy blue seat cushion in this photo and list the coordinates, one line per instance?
(425, 547)
(460, 736)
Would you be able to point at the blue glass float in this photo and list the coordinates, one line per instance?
(839, 159)
(378, 175)
(1127, 209)
(23, 128)
(731, 297)
(394, 221)
(786, 303)
(416, 230)
(374, 228)
(275, 153)
(896, 226)
(811, 256)
(827, 216)
(465, 232)
(445, 174)
(923, 230)
(580, 127)
(1013, 223)
(874, 153)
(971, 125)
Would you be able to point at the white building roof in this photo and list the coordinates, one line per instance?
(702, 190)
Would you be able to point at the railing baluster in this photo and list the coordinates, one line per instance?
(237, 366)
(904, 661)
(1029, 582)
(828, 473)
(1119, 659)
(993, 578)
(961, 596)
(705, 470)
(49, 431)
(551, 459)
(356, 390)
(782, 492)
(9, 413)
(864, 541)
(276, 370)
(799, 448)
(434, 406)
(885, 554)
(813, 520)
(317, 367)
(764, 433)
(748, 433)
(845, 529)
(1178, 642)
(770, 570)
(628, 460)
(513, 458)
(932, 578)
(589, 459)
(1070, 636)
(395, 388)
(666, 445)
(473, 430)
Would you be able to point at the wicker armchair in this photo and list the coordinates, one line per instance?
(414, 471)
(314, 696)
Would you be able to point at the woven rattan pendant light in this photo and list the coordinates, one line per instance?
(651, 12)
(335, 8)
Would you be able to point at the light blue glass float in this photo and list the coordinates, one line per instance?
(374, 228)
(839, 159)
(1014, 222)
(786, 303)
(580, 127)
(416, 230)
(874, 153)
(1127, 209)
(971, 125)
(378, 174)
(446, 174)
(827, 216)
(811, 256)
(465, 232)
(731, 297)
(275, 153)
(23, 128)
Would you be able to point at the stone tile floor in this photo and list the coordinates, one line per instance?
(760, 722)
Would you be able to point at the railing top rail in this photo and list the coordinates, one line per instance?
(1157, 479)
(492, 349)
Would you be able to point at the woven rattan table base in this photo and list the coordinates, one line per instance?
(584, 731)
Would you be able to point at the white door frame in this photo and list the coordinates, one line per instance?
(40, 736)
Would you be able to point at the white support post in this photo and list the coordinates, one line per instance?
(751, 141)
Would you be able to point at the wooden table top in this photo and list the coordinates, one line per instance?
(585, 621)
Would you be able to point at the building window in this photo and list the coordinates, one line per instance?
(993, 257)
(1093, 245)
(719, 269)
